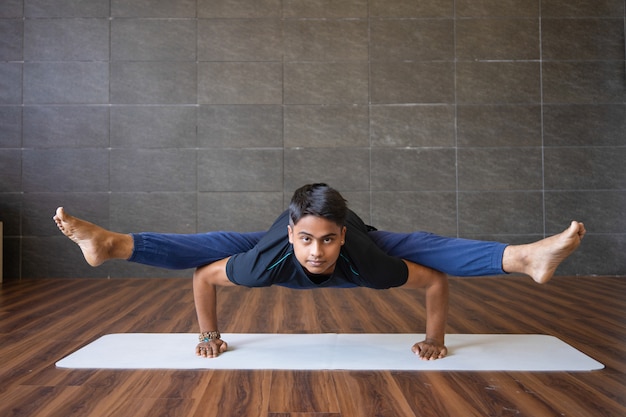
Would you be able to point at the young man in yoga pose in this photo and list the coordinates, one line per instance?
(318, 243)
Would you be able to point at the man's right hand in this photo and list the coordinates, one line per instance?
(212, 348)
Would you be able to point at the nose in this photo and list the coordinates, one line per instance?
(316, 250)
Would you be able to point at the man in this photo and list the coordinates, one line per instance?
(318, 242)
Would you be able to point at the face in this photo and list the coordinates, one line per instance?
(317, 243)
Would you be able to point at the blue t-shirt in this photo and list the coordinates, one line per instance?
(361, 263)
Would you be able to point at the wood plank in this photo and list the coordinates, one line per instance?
(569, 395)
(303, 415)
(370, 394)
(27, 401)
(303, 392)
(235, 393)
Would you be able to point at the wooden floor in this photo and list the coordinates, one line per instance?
(43, 321)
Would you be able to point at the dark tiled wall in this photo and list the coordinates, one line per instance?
(491, 119)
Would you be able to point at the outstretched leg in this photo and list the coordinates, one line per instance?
(540, 259)
(468, 258)
(97, 244)
(163, 250)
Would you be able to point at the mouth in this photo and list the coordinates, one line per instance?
(319, 267)
(315, 263)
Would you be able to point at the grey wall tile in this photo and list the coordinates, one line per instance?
(239, 8)
(240, 170)
(153, 8)
(496, 8)
(584, 125)
(326, 126)
(415, 211)
(56, 257)
(66, 40)
(153, 126)
(411, 8)
(346, 169)
(419, 40)
(326, 83)
(412, 126)
(582, 8)
(153, 212)
(411, 82)
(12, 259)
(66, 126)
(326, 40)
(582, 39)
(65, 170)
(153, 40)
(231, 210)
(585, 168)
(10, 83)
(488, 169)
(66, 8)
(66, 82)
(500, 213)
(240, 83)
(324, 9)
(584, 82)
(146, 83)
(511, 239)
(498, 82)
(39, 207)
(10, 127)
(240, 126)
(597, 255)
(499, 125)
(358, 201)
(11, 9)
(11, 213)
(11, 178)
(413, 170)
(91, 206)
(497, 39)
(240, 40)
(600, 211)
(150, 170)
(11, 39)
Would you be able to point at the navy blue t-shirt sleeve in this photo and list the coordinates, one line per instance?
(258, 266)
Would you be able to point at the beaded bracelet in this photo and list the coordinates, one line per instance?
(208, 336)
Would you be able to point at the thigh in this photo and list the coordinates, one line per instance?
(184, 251)
(454, 256)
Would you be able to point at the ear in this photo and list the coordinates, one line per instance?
(290, 233)
(343, 235)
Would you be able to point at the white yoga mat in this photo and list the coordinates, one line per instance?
(467, 352)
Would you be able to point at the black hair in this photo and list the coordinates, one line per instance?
(319, 200)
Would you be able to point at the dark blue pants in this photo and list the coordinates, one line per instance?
(453, 256)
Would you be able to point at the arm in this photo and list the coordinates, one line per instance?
(436, 285)
(205, 282)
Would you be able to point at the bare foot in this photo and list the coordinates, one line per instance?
(540, 259)
(97, 244)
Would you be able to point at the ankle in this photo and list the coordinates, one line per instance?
(118, 246)
(515, 259)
